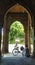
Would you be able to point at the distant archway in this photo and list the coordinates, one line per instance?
(17, 30)
(16, 34)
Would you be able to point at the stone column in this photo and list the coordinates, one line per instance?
(5, 39)
(27, 38)
(0, 42)
(34, 44)
(33, 24)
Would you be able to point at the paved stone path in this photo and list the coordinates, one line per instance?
(9, 59)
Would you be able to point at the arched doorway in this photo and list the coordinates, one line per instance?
(17, 12)
(16, 32)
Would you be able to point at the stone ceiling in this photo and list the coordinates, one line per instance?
(6, 4)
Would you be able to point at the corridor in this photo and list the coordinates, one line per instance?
(9, 59)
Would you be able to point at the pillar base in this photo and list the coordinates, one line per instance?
(4, 52)
(27, 52)
(33, 56)
(5, 49)
(0, 58)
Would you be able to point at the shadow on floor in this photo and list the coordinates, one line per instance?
(9, 59)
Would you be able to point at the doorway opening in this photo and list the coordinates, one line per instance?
(16, 34)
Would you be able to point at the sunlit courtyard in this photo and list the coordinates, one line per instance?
(19, 59)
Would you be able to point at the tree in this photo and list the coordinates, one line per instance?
(16, 30)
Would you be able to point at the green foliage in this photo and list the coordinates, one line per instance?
(16, 31)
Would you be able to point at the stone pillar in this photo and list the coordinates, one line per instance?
(33, 24)
(0, 42)
(5, 39)
(27, 38)
(34, 44)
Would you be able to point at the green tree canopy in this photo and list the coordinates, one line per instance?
(16, 31)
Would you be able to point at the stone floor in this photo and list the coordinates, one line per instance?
(9, 59)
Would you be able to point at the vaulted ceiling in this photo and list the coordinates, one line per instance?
(6, 4)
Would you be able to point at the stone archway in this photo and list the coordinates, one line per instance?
(20, 11)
